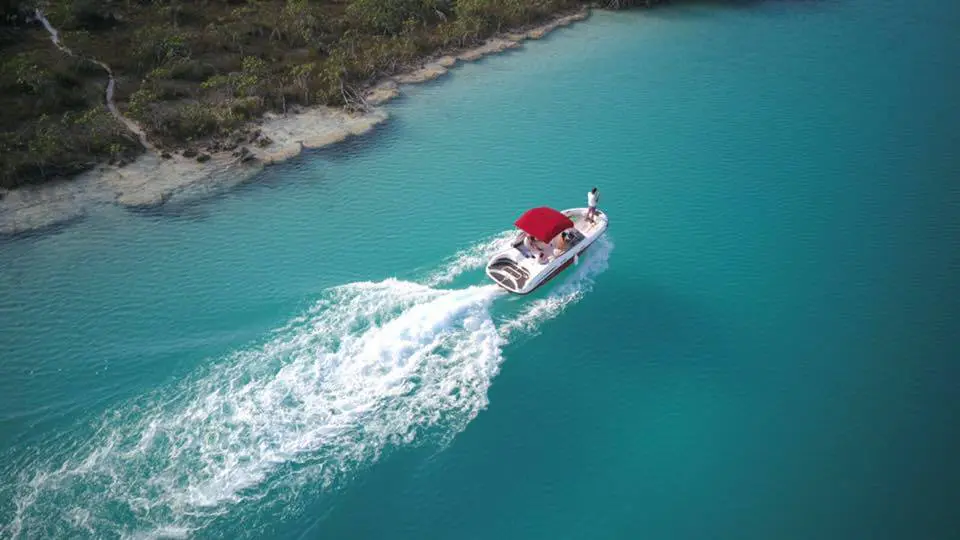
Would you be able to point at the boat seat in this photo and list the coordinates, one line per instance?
(536, 250)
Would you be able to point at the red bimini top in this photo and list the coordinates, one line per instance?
(543, 223)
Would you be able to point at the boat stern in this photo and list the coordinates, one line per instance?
(508, 274)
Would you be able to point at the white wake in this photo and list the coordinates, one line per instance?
(470, 258)
(370, 366)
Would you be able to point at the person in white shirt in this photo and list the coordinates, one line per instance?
(592, 197)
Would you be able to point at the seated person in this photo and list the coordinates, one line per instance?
(563, 241)
(535, 249)
(530, 244)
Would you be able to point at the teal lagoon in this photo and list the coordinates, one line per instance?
(763, 345)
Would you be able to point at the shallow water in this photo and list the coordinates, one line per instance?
(764, 345)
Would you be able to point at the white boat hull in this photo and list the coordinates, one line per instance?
(520, 272)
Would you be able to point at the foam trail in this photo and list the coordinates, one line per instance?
(470, 258)
(369, 367)
(569, 291)
(377, 364)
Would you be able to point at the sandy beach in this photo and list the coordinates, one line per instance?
(154, 179)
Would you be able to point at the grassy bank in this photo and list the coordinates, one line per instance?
(195, 75)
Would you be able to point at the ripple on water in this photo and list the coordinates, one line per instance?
(370, 366)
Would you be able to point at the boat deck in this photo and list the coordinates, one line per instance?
(585, 227)
(508, 274)
(515, 271)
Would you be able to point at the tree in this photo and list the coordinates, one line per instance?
(492, 14)
(301, 77)
(388, 16)
(295, 23)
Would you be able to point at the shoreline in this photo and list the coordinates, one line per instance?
(155, 178)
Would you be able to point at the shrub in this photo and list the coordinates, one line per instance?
(389, 16)
(191, 70)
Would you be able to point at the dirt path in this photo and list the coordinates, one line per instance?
(111, 82)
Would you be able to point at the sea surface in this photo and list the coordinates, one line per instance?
(764, 345)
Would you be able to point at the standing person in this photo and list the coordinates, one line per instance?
(592, 197)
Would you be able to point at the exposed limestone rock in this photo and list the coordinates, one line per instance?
(382, 93)
(156, 177)
(492, 46)
(426, 73)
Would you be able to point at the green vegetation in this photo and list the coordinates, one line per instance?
(196, 72)
(52, 118)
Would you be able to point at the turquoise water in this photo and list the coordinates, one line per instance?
(763, 346)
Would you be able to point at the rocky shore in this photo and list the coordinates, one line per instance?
(157, 176)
